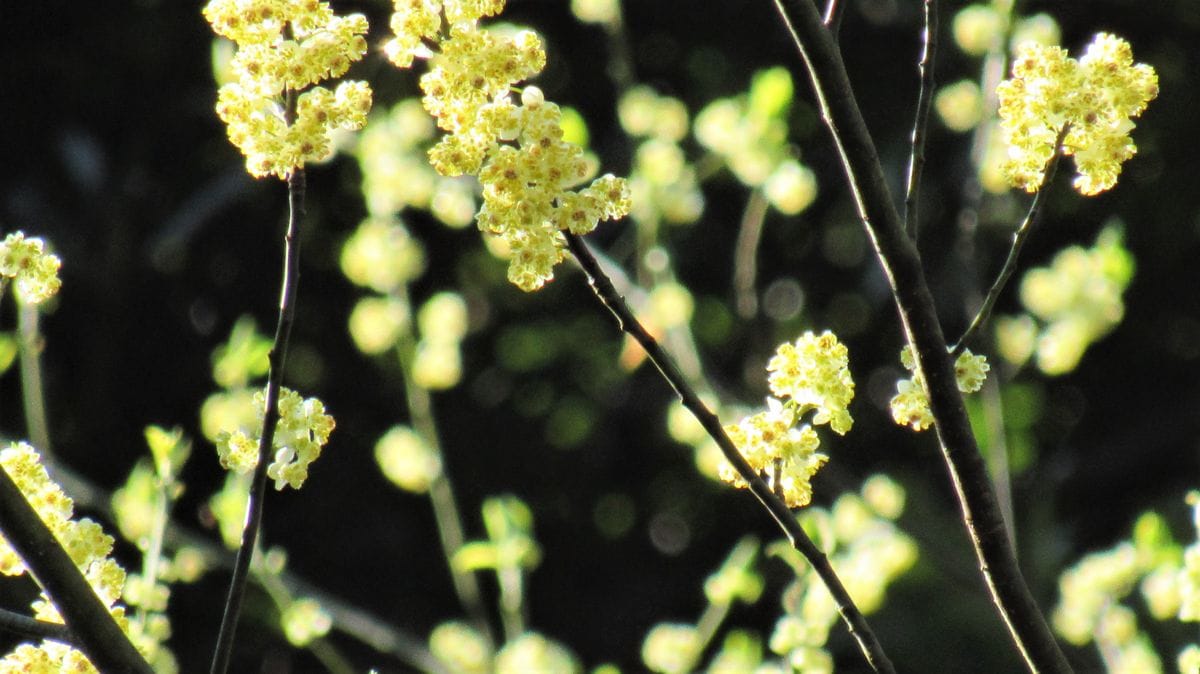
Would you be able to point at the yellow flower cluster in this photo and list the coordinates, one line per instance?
(288, 46)
(676, 648)
(533, 652)
(1188, 577)
(86, 544)
(437, 360)
(750, 132)
(671, 648)
(34, 271)
(787, 456)
(526, 168)
(382, 255)
(1094, 98)
(815, 373)
(304, 620)
(303, 430)
(811, 374)
(407, 460)
(663, 184)
(910, 405)
(1095, 593)
(460, 647)
(1072, 303)
(1092, 605)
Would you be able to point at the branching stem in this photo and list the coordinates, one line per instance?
(31, 628)
(277, 359)
(441, 492)
(626, 321)
(897, 255)
(916, 164)
(1010, 264)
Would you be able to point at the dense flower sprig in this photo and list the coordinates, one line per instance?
(811, 374)
(910, 405)
(303, 430)
(1071, 303)
(814, 372)
(663, 184)
(749, 133)
(1096, 593)
(773, 447)
(286, 46)
(33, 270)
(526, 168)
(1094, 99)
(84, 541)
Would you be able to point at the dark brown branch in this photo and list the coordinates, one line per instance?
(277, 360)
(32, 628)
(901, 264)
(97, 634)
(608, 296)
(916, 164)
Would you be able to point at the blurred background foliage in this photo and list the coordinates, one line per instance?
(116, 157)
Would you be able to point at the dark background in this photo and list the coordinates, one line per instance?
(113, 154)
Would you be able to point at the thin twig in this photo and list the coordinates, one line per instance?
(277, 359)
(283, 597)
(31, 628)
(441, 493)
(626, 321)
(834, 11)
(97, 633)
(916, 164)
(897, 255)
(745, 255)
(620, 61)
(32, 396)
(511, 579)
(1010, 264)
(991, 73)
(716, 612)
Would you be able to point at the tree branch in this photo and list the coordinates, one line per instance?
(916, 164)
(901, 264)
(366, 628)
(626, 321)
(97, 634)
(32, 628)
(834, 11)
(1010, 264)
(277, 359)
